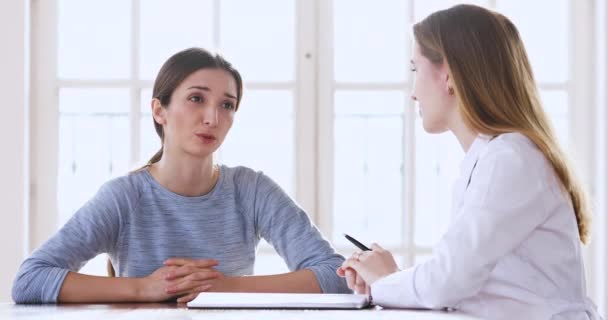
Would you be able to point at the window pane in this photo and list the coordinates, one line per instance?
(93, 145)
(258, 37)
(93, 148)
(167, 27)
(550, 36)
(93, 101)
(423, 8)
(96, 266)
(262, 136)
(361, 55)
(438, 158)
(268, 263)
(149, 140)
(555, 103)
(90, 47)
(368, 165)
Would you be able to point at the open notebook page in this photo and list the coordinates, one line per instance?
(279, 300)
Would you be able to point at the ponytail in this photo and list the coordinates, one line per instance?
(156, 157)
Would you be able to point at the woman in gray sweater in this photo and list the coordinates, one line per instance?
(183, 225)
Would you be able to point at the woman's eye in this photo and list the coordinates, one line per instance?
(196, 99)
(413, 69)
(228, 105)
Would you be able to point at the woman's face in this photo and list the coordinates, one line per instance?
(200, 113)
(431, 84)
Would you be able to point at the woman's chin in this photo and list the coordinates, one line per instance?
(201, 152)
(434, 129)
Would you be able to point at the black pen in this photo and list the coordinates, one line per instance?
(357, 243)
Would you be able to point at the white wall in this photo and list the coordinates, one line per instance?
(14, 163)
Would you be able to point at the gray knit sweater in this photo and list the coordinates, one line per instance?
(139, 223)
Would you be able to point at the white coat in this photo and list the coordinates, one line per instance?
(512, 248)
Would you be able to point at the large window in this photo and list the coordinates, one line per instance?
(326, 111)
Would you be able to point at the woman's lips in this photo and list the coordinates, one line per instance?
(206, 138)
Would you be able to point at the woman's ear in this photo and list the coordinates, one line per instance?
(449, 87)
(158, 112)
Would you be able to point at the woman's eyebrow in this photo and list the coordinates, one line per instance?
(200, 88)
(229, 95)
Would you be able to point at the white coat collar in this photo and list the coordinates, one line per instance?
(472, 155)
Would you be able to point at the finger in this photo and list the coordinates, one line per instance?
(196, 277)
(340, 272)
(186, 286)
(350, 275)
(356, 282)
(360, 289)
(201, 263)
(377, 247)
(359, 281)
(187, 298)
(351, 263)
(356, 255)
(343, 266)
(202, 273)
(178, 272)
(365, 255)
(360, 285)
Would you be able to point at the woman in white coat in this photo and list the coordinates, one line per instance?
(519, 215)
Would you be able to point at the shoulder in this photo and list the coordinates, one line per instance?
(252, 185)
(241, 176)
(130, 182)
(513, 161)
(515, 151)
(126, 188)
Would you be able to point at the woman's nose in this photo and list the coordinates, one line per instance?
(414, 98)
(210, 117)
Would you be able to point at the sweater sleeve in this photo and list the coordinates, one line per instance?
(92, 230)
(282, 223)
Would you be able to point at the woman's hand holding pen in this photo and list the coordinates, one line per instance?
(368, 267)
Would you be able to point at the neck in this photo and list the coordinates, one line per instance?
(185, 175)
(463, 133)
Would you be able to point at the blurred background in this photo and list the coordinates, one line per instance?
(326, 110)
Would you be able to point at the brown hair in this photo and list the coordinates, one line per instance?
(179, 67)
(495, 86)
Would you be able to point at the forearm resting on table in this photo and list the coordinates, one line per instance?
(81, 288)
(301, 281)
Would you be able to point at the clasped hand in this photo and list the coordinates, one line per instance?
(180, 277)
(364, 268)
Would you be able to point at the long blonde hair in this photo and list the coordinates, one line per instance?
(494, 84)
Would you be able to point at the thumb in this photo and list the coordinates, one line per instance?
(376, 247)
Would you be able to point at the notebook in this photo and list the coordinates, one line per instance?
(229, 300)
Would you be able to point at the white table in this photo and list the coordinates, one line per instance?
(180, 312)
